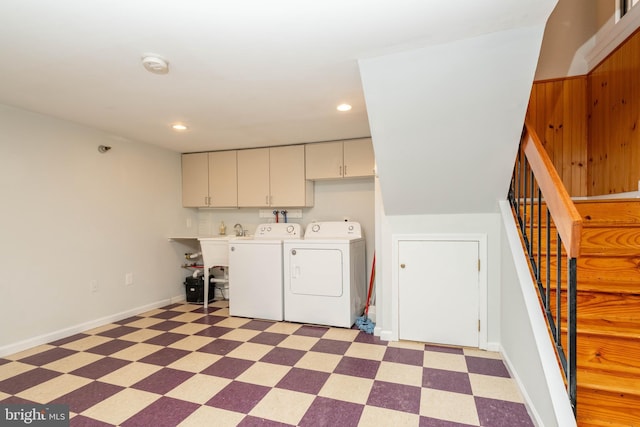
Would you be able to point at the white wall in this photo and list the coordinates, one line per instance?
(525, 342)
(439, 115)
(485, 224)
(568, 37)
(579, 36)
(71, 215)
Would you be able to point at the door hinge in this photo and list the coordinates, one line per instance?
(478, 264)
(478, 325)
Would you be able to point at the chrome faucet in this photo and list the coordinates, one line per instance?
(238, 229)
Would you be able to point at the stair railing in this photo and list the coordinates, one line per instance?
(536, 185)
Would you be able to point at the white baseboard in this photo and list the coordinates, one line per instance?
(386, 335)
(528, 401)
(76, 329)
(494, 346)
(177, 299)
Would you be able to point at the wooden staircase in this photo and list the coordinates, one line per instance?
(608, 326)
(609, 314)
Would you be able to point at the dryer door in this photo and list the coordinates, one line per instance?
(316, 271)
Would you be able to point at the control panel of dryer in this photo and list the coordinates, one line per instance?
(333, 229)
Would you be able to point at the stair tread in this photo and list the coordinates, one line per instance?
(604, 381)
(588, 422)
(626, 330)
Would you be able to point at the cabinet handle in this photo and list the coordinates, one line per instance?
(402, 265)
(340, 170)
(345, 170)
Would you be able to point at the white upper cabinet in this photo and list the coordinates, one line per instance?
(287, 177)
(223, 179)
(253, 177)
(195, 180)
(340, 159)
(209, 179)
(273, 176)
(358, 158)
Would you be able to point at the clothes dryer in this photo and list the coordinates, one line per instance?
(325, 275)
(255, 272)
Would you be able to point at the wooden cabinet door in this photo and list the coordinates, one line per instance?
(286, 170)
(358, 158)
(195, 180)
(324, 160)
(253, 177)
(223, 179)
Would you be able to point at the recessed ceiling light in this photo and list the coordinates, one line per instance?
(344, 107)
(179, 126)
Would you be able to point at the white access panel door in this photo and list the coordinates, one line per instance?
(438, 287)
(316, 271)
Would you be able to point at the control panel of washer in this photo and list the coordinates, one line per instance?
(278, 230)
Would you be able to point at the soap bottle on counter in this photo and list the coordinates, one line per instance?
(223, 228)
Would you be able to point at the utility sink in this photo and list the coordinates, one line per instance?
(215, 250)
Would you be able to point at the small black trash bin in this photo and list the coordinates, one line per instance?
(194, 288)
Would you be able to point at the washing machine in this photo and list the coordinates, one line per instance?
(325, 275)
(255, 271)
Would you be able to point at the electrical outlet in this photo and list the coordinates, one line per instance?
(128, 279)
(93, 286)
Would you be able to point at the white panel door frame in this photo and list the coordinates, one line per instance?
(482, 277)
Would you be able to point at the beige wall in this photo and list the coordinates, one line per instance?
(568, 37)
(71, 215)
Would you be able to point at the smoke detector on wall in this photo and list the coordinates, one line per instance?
(155, 64)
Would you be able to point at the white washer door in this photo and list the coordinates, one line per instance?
(316, 271)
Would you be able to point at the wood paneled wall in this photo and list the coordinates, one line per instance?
(558, 112)
(589, 124)
(614, 111)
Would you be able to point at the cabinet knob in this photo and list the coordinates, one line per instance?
(402, 265)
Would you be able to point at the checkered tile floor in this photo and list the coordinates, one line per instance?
(182, 365)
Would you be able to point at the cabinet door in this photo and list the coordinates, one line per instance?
(286, 170)
(324, 160)
(439, 292)
(195, 180)
(253, 177)
(358, 158)
(223, 179)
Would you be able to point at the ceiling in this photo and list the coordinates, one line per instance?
(242, 73)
